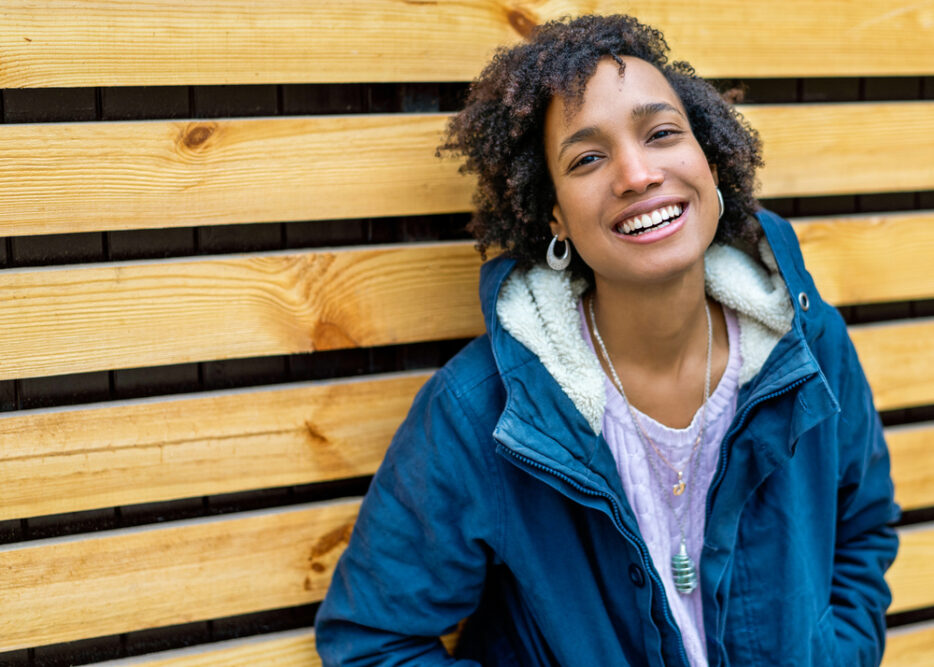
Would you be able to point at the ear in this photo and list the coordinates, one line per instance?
(713, 172)
(557, 224)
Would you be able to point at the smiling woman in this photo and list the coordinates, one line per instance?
(655, 456)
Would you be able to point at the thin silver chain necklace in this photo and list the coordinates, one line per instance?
(683, 568)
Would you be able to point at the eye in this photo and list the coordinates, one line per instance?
(664, 133)
(583, 161)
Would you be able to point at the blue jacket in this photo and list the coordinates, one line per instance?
(498, 500)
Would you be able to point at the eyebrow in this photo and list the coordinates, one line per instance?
(639, 113)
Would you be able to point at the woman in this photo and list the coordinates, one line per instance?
(663, 451)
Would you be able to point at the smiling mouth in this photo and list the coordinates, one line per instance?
(651, 221)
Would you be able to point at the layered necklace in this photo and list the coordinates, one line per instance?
(683, 568)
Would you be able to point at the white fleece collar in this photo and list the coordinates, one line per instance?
(539, 308)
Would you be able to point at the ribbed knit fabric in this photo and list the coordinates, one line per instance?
(659, 527)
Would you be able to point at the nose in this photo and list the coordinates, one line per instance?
(635, 172)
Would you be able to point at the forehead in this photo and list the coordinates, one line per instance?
(609, 92)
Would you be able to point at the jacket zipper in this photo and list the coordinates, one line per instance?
(619, 526)
(721, 465)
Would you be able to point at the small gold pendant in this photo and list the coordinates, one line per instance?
(678, 488)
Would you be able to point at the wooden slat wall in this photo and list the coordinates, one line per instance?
(117, 177)
(132, 175)
(169, 42)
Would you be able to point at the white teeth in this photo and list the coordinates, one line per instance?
(651, 219)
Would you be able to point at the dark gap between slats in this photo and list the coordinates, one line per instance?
(97, 386)
(167, 638)
(136, 244)
(43, 105)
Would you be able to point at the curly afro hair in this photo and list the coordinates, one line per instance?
(500, 131)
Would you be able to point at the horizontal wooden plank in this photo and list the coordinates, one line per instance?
(65, 320)
(871, 258)
(66, 589)
(79, 177)
(828, 149)
(912, 575)
(56, 461)
(909, 646)
(172, 42)
(103, 584)
(67, 177)
(912, 451)
(898, 359)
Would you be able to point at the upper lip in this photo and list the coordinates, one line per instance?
(646, 206)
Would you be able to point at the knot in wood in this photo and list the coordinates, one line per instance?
(522, 21)
(195, 134)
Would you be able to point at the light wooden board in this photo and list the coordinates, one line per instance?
(912, 451)
(872, 258)
(912, 575)
(132, 579)
(127, 580)
(909, 646)
(898, 359)
(129, 175)
(66, 460)
(172, 42)
(829, 149)
(63, 320)
(79, 177)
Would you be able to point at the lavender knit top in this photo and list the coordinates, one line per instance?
(659, 527)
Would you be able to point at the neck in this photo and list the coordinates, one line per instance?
(657, 327)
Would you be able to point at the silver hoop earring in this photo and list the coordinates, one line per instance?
(555, 262)
(720, 199)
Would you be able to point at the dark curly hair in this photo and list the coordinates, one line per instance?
(500, 131)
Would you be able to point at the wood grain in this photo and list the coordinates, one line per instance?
(828, 149)
(66, 589)
(80, 177)
(912, 451)
(65, 320)
(175, 42)
(66, 177)
(898, 359)
(912, 575)
(909, 646)
(872, 258)
(66, 460)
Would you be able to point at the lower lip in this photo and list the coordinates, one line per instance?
(657, 234)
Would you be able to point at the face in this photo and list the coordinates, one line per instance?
(635, 193)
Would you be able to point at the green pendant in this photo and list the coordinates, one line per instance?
(683, 571)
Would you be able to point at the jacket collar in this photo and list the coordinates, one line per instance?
(554, 383)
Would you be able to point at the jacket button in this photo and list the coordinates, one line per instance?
(636, 575)
(804, 301)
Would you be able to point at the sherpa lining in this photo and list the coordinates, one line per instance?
(539, 308)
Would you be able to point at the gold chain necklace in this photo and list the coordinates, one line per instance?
(683, 569)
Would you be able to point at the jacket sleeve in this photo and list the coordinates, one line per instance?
(865, 543)
(416, 561)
